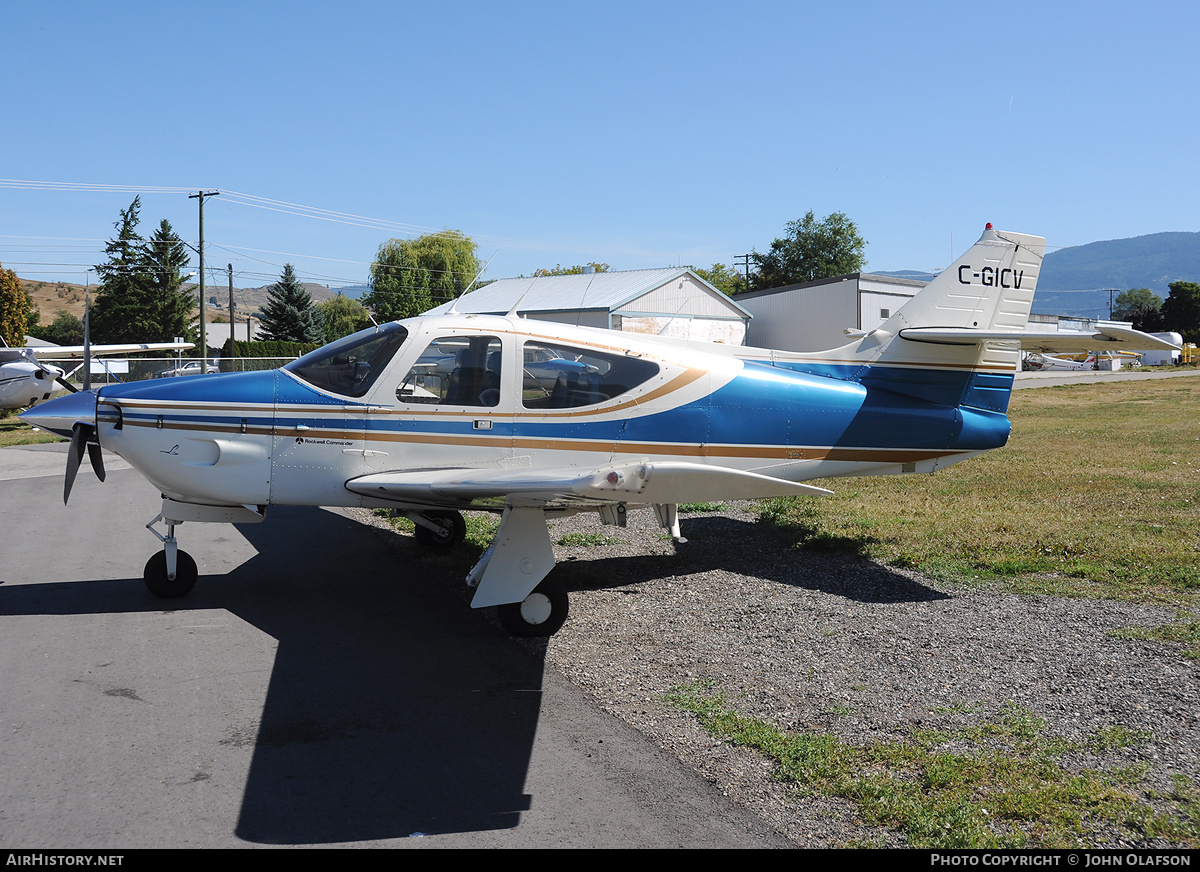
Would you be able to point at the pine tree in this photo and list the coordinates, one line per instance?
(289, 314)
(123, 309)
(140, 298)
(165, 258)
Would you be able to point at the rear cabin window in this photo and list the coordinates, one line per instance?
(351, 365)
(565, 377)
(455, 371)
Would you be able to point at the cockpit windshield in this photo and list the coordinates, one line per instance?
(351, 365)
(12, 355)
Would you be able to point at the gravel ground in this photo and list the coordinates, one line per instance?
(839, 644)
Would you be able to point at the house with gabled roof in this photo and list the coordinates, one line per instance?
(673, 302)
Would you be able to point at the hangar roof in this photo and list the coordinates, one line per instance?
(602, 291)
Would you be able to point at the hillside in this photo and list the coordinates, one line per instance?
(50, 297)
(1076, 280)
(1152, 261)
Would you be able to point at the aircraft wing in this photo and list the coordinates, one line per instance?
(74, 351)
(639, 482)
(1104, 338)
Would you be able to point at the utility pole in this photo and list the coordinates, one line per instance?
(203, 342)
(87, 333)
(231, 319)
(745, 258)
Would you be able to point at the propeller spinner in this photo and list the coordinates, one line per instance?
(74, 416)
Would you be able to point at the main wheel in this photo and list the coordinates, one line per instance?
(542, 613)
(155, 575)
(454, 530)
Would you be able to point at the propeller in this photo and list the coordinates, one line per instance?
(82, 436)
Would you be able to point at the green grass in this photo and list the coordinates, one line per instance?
(1184, 632)
(996, 784)
(14, 431)
(586, 540)
(481, 527)
(1096, 494)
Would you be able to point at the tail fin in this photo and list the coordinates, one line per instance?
(989, 290)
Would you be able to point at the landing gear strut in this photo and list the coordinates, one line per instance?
(170, 573)
(439, 529)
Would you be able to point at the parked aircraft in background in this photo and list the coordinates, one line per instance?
(1038, 362)
(380, 419)
(26, 381)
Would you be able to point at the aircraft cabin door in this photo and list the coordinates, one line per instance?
(451, 408)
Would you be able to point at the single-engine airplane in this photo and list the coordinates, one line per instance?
(26, 381)
(382, 419)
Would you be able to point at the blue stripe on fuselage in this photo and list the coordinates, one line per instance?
(767, 405)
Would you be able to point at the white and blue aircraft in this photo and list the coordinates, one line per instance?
(435, 415)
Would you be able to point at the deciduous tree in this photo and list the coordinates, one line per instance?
(65, 329)
(1141, 306)
(811, 250)
(411, 276)
(14, 309)
(723, 278)
(342, 316)
(1181, 310)
(560, 270)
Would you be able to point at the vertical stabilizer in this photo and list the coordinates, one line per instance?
(989, 289)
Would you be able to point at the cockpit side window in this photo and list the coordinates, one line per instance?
(351, 365)
(564, 377)
(455, 371)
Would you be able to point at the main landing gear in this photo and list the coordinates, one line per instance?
(439, 529)
(541, 604)
(542, 613)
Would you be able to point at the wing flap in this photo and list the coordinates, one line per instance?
(642, 482)
(1104, 338)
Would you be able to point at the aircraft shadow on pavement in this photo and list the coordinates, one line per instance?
(391, 709)
(719, 542)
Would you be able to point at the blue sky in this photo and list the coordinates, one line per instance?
(637, 134)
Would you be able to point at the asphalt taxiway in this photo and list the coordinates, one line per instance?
(312, 690)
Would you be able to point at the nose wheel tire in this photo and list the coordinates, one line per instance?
(540, 614)
(454, 530)
(155, 575)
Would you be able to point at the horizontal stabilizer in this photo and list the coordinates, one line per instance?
(630, 482)
(1105, 337)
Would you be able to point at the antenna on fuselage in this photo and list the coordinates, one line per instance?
(453, 310)
(513, 311)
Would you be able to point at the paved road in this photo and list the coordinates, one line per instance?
(313, 689)
(1048, 379)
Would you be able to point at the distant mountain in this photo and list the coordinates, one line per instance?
(1083, 279)
(1076, 281)
(253, 299)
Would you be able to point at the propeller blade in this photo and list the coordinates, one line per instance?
(66, 384)
(97, 459)
(74, 456)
